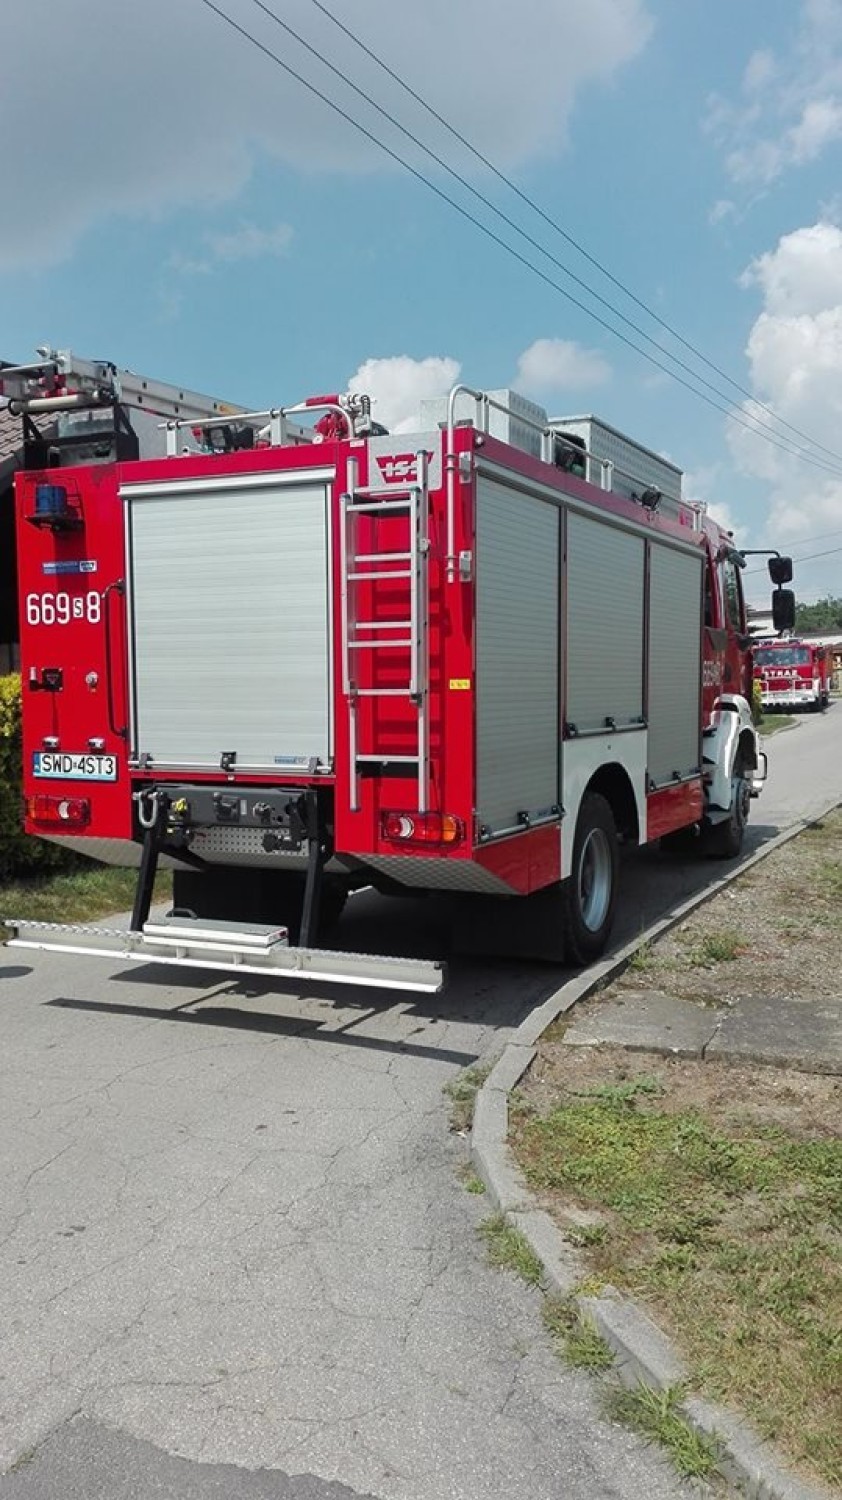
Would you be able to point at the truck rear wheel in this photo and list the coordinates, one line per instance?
(590, 895)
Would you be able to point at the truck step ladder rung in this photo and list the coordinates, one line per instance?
(382, 624)
(380, 573)
(379, 645)
(380, 693)
(374, 557)
(387, 759)
(381, 507)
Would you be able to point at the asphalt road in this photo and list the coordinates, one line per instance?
(237, 1258)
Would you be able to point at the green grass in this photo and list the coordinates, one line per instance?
(827, 880)
(462, 1092)
(731, 1232)
(642, 959)
(656, 1415)
(78, 895)
(470, 1181)
(771, 723)
(510, 1249)
(576, 1338)
(716, 948)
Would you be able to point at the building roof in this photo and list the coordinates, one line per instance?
(11, 442)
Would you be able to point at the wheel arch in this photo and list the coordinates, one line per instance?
(615, 767)
(613, 782)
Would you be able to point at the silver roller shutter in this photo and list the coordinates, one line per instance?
(229, 603)
(517, 677)
(605, 589)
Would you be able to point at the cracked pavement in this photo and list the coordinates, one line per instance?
(237, 1257)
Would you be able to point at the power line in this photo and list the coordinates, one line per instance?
(757, 430)
(817, 556)
(810, 557)
(795, 449)
(559, 229)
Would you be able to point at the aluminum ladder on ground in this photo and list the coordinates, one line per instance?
(375, 635)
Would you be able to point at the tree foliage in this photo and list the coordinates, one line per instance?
(825, 615)
(19, 853)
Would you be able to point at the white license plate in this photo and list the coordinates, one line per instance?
(59, 765)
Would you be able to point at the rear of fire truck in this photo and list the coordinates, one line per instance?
(179, 623)
(286, 661)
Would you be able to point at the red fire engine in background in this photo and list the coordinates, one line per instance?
(793, 674)
(289, 660)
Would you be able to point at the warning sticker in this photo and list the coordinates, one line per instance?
(460, 684)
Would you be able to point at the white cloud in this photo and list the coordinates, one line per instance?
(723, 208)
(398, 384)
(760, 69)
(803, 274)
(704, 487)
(790, 108)
(795, 355)
(172, 108)
(551, 366)
(249, 242)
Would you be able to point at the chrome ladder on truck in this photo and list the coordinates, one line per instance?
(375, 635)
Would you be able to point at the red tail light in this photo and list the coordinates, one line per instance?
(61, 811)
(422, 828)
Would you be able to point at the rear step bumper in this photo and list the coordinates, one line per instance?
(233, 948)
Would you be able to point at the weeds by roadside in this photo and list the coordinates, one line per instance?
(462, 1092)
(78, 895)
(656, 1415)
(509, 1249)
(576, 1338)
(772, 723)
(716, 948)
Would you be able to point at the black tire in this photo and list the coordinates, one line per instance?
(725, 840)
(224, 894)
(589, 897)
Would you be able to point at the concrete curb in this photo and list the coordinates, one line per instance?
(642, 1351)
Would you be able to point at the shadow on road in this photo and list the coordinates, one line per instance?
(494, 993)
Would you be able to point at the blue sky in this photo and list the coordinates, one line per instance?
(175, 202)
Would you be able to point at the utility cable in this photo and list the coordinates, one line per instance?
(465, 213)
(559, 229)
(796, 448)
(797, 561)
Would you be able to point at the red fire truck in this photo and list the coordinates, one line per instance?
(289, 655)
(793, 674)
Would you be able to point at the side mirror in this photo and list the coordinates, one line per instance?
(783, 609)
(780, 570)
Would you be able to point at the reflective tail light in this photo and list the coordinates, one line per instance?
(422, 828)
(60, 811)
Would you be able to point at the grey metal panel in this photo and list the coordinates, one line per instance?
(517, 676)
(230, 606)
(635, 466)
(438, 874)
(675, 644)
(605, 633)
